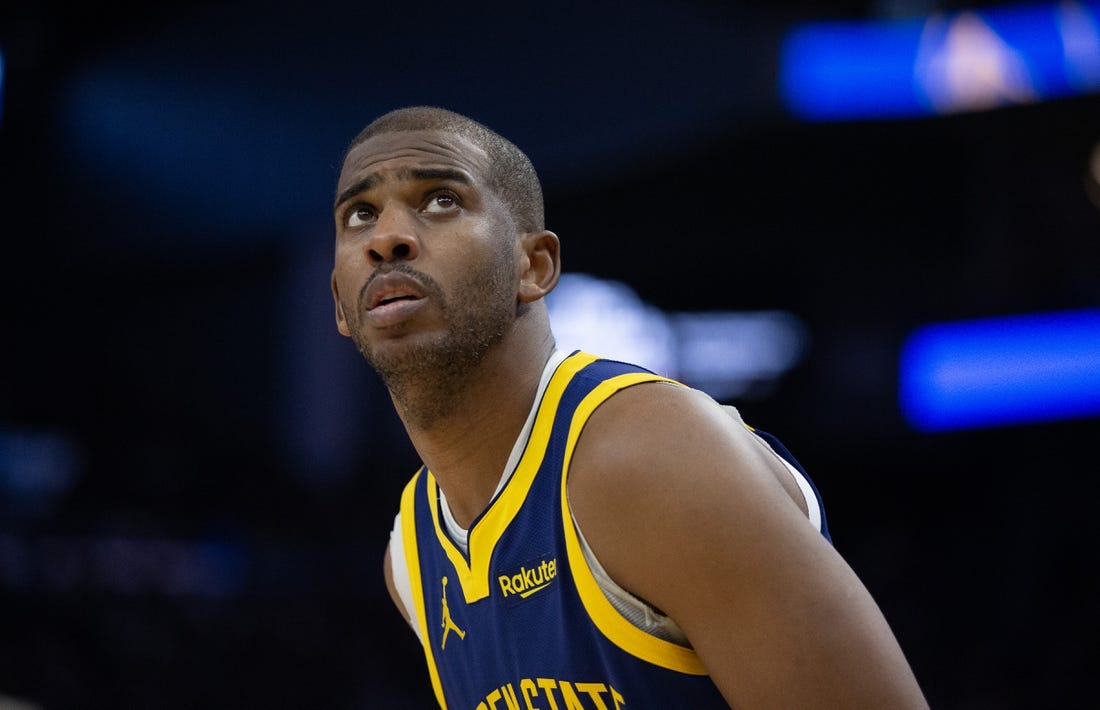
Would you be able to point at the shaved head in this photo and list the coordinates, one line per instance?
(511, 174)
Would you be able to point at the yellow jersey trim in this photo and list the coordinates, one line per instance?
(473, 575)
(607, 619)
(408, 534)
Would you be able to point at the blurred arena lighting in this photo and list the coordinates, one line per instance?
(941, 63)
(36, 468)
(727, 354)
(731, 354)
(8, 702)
(126, 566)
(1002, 371)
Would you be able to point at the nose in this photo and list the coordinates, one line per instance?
(394, 237)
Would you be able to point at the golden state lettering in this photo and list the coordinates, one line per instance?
(551, 694)
(528, 581)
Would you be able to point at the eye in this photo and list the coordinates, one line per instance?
(358, 216)
(441, 202)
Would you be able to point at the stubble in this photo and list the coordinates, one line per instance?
(428, 375)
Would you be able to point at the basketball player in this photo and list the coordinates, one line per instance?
(583, 533)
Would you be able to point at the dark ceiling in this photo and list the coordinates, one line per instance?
(205, 109)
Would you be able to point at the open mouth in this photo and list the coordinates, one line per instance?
(395, 298)
(392, 290)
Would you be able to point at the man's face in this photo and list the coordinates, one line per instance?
(425, 273)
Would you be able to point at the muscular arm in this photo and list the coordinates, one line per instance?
(684, 510)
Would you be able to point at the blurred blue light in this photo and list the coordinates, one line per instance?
(850, 69)
(727, 354)
(608, 318)
(37, 468)
(942, 63)
(1002, 371)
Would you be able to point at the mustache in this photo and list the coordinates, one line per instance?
(429, 285)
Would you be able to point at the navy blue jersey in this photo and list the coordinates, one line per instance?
(520, 621)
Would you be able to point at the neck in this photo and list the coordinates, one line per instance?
(464, 428)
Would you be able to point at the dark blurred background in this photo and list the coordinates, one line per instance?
(198, 475)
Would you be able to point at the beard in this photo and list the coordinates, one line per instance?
(425, 375)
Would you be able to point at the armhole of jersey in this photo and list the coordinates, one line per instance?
(399, 572)
(813, 505)
(416, 586)
(635, 610)
(612, 624)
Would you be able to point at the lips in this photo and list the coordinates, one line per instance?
(391, 299)
(391, 288)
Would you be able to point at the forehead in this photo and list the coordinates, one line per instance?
(390, 155)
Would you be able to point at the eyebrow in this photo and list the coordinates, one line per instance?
(414, 174)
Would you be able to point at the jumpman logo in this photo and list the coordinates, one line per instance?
(448, 623)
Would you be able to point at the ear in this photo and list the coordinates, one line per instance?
(540, 266)
(341, 321)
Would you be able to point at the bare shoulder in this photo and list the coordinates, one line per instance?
(659, 459)
(656, 440)
(682, 508)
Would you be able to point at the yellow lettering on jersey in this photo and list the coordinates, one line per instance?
(510, 698)
(602, 696)
(572, 702)
(594, 691)
(549, 685)
(528, 581)
(530, 692)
